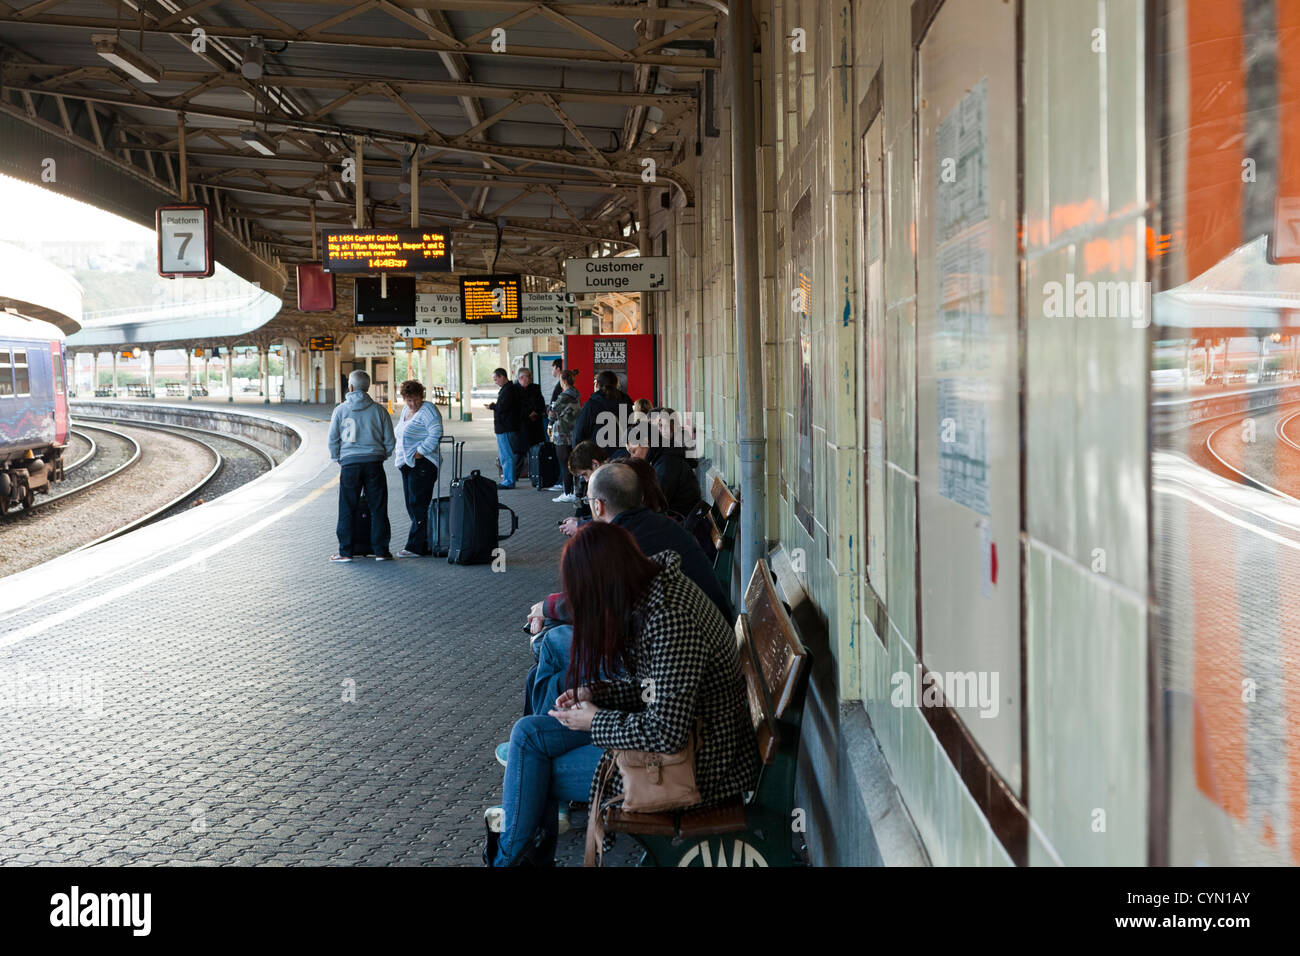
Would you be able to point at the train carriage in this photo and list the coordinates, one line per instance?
(33, 409)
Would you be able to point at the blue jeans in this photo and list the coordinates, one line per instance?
(547, 679)
(506, 444)
(353, 476)
(548, 763)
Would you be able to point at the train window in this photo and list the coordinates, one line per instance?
(58, 374)
(6, 374)
(22, 385)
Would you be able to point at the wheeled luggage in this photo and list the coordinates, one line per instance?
(474, 520)
(543, 466)
(440, 505)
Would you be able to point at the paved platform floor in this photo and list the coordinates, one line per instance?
(237, 699)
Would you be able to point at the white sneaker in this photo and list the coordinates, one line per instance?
(561, 497)
(495, 818)
(558, 486)
(571, 497)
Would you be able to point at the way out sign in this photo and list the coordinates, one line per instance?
(184, 241)
(618, 274)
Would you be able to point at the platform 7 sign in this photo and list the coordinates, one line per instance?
(184, 241)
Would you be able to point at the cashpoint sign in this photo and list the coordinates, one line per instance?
(387, 250)
(493, 298)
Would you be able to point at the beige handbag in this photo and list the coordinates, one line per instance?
(652, 782)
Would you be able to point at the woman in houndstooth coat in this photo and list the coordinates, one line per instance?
(642, 618)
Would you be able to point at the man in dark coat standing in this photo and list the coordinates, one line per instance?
(507, 412)
(534, 409)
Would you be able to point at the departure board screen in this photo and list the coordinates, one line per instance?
(489, 298)
(387, 250)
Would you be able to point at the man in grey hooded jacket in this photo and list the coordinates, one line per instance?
(361, 440)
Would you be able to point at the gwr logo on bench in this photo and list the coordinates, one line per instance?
(742, 854)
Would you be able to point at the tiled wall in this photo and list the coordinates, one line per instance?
(1084, 384)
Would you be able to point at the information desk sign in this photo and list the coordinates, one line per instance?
(387, 250)
(493, 298)
(320, 343)
(544, 306)
(184, 241)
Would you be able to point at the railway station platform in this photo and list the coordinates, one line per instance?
(229, 696)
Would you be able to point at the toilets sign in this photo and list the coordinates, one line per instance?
(618, 274)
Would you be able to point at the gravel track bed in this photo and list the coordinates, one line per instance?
(110, 452)
(77, 449)
(169, 464)
(240, 465)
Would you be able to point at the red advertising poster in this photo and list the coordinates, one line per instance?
(315, 288)
(631, 357)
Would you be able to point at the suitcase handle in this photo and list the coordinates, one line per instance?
(514, 521)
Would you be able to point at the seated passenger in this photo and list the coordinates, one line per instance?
(641, 616)
(676, 478)
(617, 498)
(585, 458)
(651, 493)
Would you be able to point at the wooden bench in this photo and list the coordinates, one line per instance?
(755, 830)
(440, 395)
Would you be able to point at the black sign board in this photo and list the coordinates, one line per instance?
(320, 343)
(371, 307)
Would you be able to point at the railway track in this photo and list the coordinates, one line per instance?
(125, 481)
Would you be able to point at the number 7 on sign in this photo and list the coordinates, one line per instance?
(185, 237)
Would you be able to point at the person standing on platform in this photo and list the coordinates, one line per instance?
(564, 412)
(506, 416)
(418, 432)
(534, 410)
(557, 373)
(361, 439)
(605, 416)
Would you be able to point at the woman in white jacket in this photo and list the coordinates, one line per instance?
(418, 432)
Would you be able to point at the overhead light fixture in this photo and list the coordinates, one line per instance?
(251, 64)
(259, 141)
(126, 58)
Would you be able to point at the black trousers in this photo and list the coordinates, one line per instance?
(353, 476)
(418, 483)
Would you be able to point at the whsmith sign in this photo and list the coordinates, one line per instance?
(618, 274)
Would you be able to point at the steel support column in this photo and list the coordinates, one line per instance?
(749, 331)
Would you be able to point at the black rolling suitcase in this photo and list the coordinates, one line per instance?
(474, 520)
(361, 529)
(543, 466)
(439, 523)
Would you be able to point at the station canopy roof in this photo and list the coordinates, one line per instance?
(532, 122)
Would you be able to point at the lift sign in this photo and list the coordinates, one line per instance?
(489, 298)
(184, 241)
(393, 250)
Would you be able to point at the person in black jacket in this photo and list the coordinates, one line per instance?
(605, 415)
(533, 419)
(676, 478)
(506, 416)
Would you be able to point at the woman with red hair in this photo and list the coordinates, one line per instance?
(652, 659)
